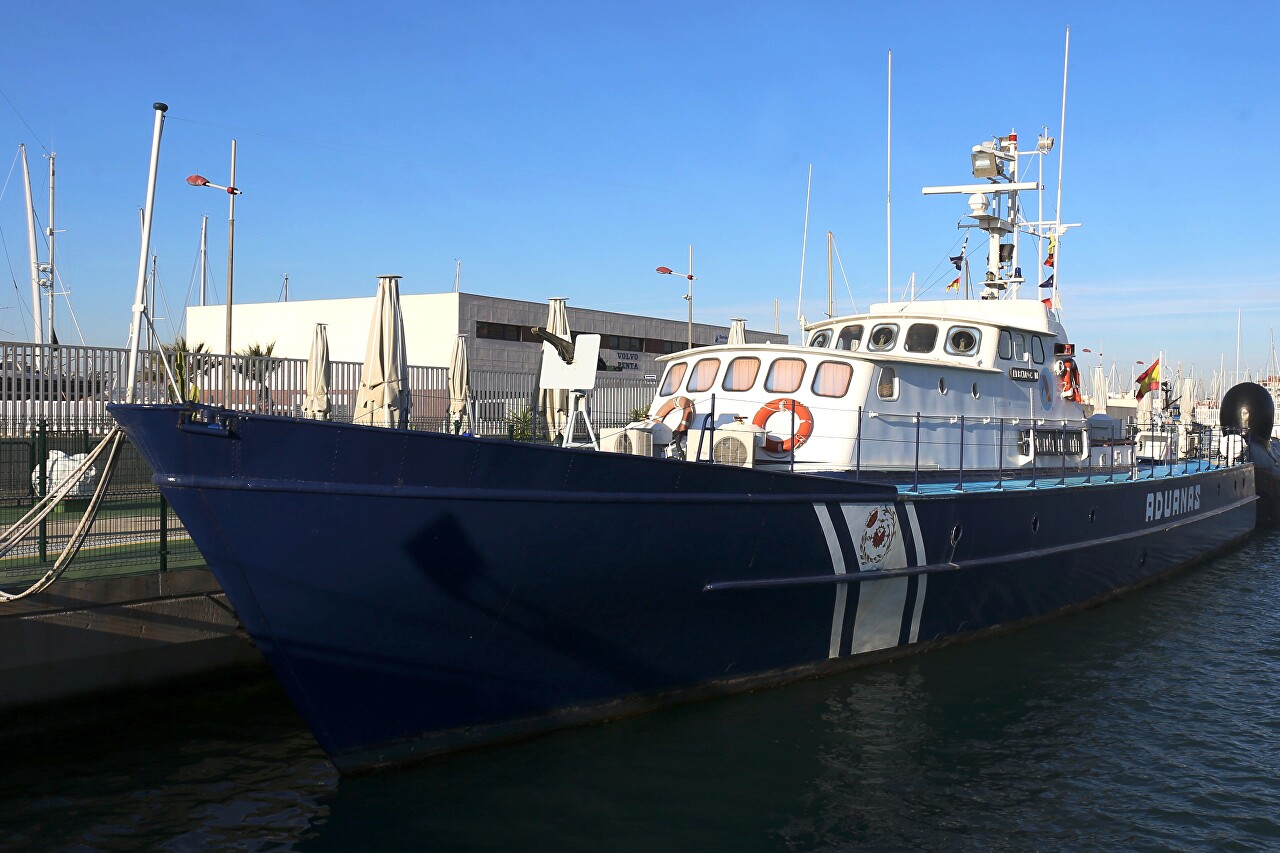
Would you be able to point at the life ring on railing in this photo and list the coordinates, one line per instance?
(684, 404)
(804, 424)
(1069, 380)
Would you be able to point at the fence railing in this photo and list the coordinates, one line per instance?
(54, 398)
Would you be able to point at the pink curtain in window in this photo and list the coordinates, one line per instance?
(832, 379)
(704, 374)
(741, 374)
(785, 376)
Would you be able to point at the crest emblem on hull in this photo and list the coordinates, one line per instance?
(878, 535)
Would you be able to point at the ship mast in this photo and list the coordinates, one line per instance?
(37, 335)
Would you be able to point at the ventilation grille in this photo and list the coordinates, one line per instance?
(731, 450)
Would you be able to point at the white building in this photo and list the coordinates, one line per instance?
(497, 330)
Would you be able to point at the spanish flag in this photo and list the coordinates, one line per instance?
(1149, 380)
(1053, 248)
(955, 285)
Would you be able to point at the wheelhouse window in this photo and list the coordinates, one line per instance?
(785, 376)
(887, 386)
(1006, 344)
(883, 337)
(1019, 346)
(821, 339)
(1037, 349)
(675, 375)
(741, 374)
(832, 378)
(921, 337)
(704, 374)
(850, 338)
(963, 340)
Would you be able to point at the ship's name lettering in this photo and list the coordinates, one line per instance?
(1172, 502)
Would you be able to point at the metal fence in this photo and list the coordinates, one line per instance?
(54, 398)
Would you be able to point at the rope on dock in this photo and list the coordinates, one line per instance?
(19, 530)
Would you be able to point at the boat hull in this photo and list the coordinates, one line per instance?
(417, 591)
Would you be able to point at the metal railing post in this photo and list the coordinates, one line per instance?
(1063, 482)
(916, 484)
(1000, 458)
(857, 448)
(960, 485)
(42, 451)
(164, 534)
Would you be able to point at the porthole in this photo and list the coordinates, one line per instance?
(883, 337)
(962, 340)
(1035, 524)
(975, 391)
(821, 339)
(942, 385)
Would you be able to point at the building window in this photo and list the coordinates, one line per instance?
(704, 374)
(499, 331)
(784, 376)
(624, 343)
(832, 379)
(741, 374)
(921, 337)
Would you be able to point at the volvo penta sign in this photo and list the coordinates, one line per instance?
(1024, 374)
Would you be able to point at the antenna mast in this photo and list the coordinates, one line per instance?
(803, 247)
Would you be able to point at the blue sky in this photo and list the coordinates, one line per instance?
(567, 149)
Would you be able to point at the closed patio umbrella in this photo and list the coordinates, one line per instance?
(459, 387)
(316, 405)
(383, 399)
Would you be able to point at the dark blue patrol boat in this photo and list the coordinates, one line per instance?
(915, 475)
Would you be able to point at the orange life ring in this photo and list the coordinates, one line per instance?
(804, 424)
(684, 404)
(1069, 380)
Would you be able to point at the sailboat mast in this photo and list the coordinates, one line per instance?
(37, 335)
(831, 300)
(52, 278)
(888, 189)
(135, 329)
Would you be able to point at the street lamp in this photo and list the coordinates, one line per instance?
(689, 296)
(200, 181)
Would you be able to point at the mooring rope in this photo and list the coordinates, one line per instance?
(18, 531)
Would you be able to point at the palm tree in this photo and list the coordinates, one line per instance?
(256, 367)
(183, 369)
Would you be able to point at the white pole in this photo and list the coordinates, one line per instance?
(804, 245)
(286, 287)
(690, 296)
(231, 265)
(139, 306)
(888, 189)
(52, 278)
(204, 259)
(1238, 314)
(37, 335)
(1057, 214)
(831, 300)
